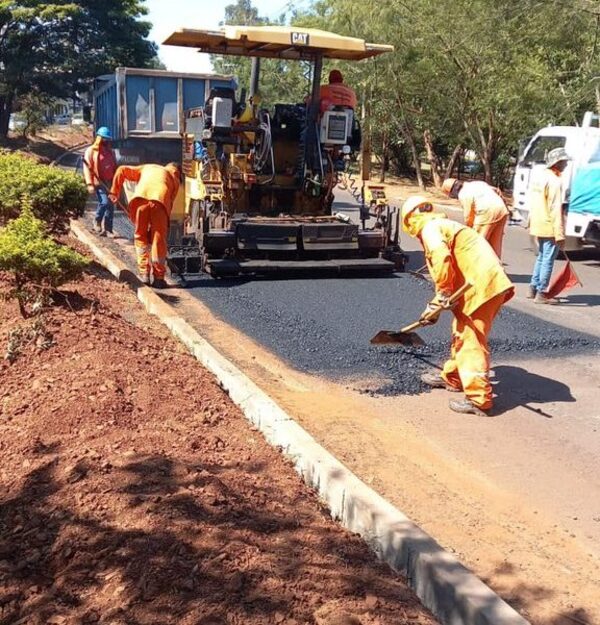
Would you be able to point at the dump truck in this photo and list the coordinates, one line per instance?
(143, 108)
(581, 187)
(260, 182)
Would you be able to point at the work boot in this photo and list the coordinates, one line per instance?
(97, 225)
(542, 298)
(144, 278)
(159, 283)
(531, 293)
(466, 406)
(102, 233)
(110, 234)
(435, 380)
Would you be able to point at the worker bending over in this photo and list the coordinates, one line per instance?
(336, 93)
(483, 207)
(456, 255)
(150, 209)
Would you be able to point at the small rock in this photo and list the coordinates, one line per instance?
(371, 602)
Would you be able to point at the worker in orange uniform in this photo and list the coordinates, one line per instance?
(483, 207)
(336, 93)
(456, 255)
(150, 209)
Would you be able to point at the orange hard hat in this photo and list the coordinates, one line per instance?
(447, 185)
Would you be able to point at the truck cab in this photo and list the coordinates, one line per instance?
(581, 185)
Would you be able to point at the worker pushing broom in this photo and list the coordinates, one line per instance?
(470, 281)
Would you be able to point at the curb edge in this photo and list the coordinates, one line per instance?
(444, 586)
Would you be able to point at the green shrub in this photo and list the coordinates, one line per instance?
(36, 262)
(56, 195)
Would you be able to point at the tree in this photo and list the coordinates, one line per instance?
(32, 107)
(475, 73)
(281, 81)
(58, 47)
(36, 263)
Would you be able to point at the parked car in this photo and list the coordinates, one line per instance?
(16, 123)
(62, 120)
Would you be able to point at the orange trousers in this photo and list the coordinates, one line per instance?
(493, 233)
(151, 232)
(468, 368)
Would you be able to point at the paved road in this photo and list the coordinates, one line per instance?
(324, 325)
(516, 496)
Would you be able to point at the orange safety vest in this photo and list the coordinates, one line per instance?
(337, 94)
(456, 254)
(153, 182)
(99, 164)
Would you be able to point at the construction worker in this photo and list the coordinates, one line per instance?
(483, 207)
(455, 255)
(99, 166)
(546, 222)
(336, 93)
(150, 209)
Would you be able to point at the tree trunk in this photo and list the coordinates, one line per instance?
(365, 148)
(6, 104)
(487, 168)
(487, 142)
(454, 159)
(434, 160)
(410, 140)
(384, 156)
(415, 157)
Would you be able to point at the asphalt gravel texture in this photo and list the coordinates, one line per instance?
(323, 326)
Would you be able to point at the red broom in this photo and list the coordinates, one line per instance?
(565, 279)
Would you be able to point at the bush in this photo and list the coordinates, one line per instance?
(56, 195)
(37, 263)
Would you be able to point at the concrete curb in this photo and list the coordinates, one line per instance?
(446, 587)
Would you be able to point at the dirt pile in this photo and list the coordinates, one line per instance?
(133, 491)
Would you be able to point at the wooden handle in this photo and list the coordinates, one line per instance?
(427, 316)
(459, 293)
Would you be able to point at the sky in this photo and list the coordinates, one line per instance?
(170, 15)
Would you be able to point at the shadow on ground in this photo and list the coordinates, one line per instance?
(517, 387)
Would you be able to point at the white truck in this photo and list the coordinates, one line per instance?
(582, 177)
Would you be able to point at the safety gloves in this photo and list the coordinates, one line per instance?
(433, 310)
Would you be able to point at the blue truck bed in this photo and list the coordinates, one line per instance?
(585, 190)
(144, 108)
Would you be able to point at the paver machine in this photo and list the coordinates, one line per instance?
(259, 183)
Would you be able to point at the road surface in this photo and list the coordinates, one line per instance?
(516, 495)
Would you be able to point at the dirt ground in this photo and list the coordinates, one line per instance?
(51, 142)
(544, 570)
(134, 491)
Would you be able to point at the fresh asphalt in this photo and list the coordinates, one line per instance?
(323, 325)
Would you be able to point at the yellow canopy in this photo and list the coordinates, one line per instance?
(281, 42)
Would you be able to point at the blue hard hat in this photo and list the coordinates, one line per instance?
(104, 132)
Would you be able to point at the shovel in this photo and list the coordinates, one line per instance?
(406, 336)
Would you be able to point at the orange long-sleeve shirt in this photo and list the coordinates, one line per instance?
(153, 182)
(456, 254)
(338, 94)
(481, 204)
(545, 206)
(99, 164)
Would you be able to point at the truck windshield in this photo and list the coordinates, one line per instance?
(595, 153)
(539, 149)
